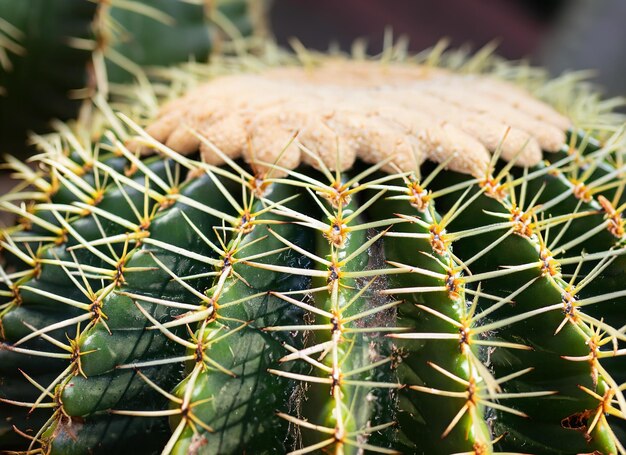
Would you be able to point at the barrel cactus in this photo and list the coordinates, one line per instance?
(55, 55)
(321, 255)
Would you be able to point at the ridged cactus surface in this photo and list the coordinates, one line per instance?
(279, 264)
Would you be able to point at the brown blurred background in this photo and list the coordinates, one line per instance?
(558, 34)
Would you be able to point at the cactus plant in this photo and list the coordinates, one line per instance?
(328, 255)
(59, 54)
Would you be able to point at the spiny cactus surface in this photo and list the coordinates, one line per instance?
(55, 54)
(295, 262)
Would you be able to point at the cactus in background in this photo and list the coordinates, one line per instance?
(10, 38)
(67, 52)
(341, 256)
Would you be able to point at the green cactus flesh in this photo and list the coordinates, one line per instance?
(168, 304)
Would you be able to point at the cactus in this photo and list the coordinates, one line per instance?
(333, 256)
(56, 54)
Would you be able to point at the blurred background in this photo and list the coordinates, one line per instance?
(557, 34)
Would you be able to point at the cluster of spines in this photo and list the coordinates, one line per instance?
(435, 287)
(224, 236)
(86, 259)
(351, 372)
(516, 251)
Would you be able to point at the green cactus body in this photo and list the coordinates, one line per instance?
(182, 307)
(228, 389)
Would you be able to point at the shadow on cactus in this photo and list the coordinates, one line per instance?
(342, 256)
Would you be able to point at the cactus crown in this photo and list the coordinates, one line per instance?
(160, 292)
